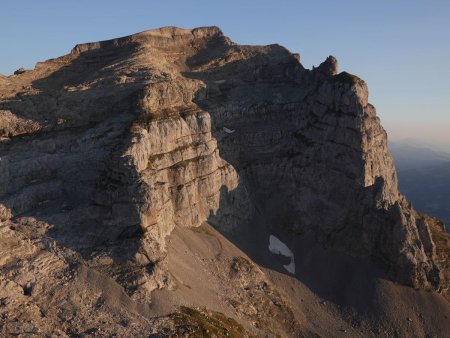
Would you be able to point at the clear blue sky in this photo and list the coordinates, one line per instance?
(400, 47)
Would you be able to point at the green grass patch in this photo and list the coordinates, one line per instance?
(205, 324)
(438, 233)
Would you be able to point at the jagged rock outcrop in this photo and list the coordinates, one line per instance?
(107, 149)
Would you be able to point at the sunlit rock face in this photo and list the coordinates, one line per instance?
(109, 148)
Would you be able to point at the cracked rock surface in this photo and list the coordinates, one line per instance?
(142, 177)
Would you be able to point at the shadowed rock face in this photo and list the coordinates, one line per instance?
(106, 150)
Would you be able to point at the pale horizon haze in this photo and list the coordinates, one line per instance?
(400, 48)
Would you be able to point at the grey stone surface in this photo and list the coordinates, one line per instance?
(106, 150)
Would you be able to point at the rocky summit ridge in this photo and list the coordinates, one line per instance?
(141, 178)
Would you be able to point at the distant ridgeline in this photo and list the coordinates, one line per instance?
(424, 177)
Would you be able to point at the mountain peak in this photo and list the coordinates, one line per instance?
(158, 37)
(329, 66)
(144, 173)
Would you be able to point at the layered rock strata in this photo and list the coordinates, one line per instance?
(109, 148)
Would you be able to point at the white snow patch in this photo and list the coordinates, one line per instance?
(290, 267)
(229, 131)
(277, 247)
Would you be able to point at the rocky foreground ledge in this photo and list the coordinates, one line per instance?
(117, 158)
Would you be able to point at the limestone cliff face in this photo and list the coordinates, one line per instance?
(132, 137)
